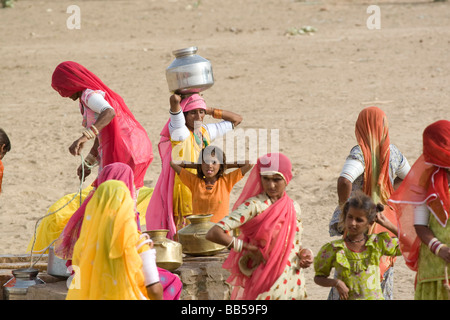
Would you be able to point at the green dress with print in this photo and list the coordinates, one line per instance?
(431, 268)
(358, 270)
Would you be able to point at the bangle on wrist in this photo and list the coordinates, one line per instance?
(231, 242)
(217, 113)
(439, 248)
(238, 244)
(95, 130)
(435, 246)
(90, 160)
(432, 241)
(89, 134)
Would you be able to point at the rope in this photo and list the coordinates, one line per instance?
(80, 188)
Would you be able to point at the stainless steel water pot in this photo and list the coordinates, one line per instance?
(17, 287)
(189, 72)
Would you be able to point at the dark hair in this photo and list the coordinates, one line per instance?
(215, 152)
(5, 140)
(359, 200)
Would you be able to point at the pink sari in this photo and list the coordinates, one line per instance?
(272, 230)
(160, 209)
(123, 139)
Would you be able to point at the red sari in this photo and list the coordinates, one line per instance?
(426, 183)
(123, 139)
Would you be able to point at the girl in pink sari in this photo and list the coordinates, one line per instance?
(267, 259)
(65, 244)
(118, 136)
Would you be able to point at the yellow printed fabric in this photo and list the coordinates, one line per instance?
(106, 261)
(144, 196)
(51, 227)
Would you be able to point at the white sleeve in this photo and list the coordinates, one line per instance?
(97, 103)
(404, 169)
(352, 169)
(421, 215)
(151, 274)
(218, 129)
(177, 127)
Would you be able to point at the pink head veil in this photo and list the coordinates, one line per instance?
(272, 230)
(276, 163)
(160, 210)
(71, 77)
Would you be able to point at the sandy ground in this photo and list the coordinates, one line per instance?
(308, 87)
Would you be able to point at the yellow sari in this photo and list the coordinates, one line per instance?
(51, 227)
(106, 260)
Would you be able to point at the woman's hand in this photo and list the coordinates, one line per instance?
(305, 258)
(257, 255)
(175, 101)
(444, 253)
(342, 289)
(384, 222)
(77, 145)
(87, 172)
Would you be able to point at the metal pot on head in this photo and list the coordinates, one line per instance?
(189, 72)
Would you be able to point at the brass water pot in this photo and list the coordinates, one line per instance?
(192, 237)
(169, 254)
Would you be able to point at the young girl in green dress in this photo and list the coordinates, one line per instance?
(356, 257)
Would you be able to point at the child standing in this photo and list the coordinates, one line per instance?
(5, 146)
(211, 186)
(356, 257)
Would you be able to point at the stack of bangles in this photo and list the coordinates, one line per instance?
(435, 246)
(91, 132)
(217, 113)
(90, 160)
(238, 244)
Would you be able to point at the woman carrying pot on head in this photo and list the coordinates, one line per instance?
(267, 258)
(422, 204)
(117, 135)
(376, 167)
(182, 139)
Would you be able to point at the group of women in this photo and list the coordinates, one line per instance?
(267, 259)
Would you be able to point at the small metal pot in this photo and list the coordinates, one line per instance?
(169, 254)
(17, 287)
(189, 72)
(192, 237)
(56, 266)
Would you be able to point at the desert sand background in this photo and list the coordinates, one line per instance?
(310, 87)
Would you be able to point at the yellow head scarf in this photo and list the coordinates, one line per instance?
(106, 261)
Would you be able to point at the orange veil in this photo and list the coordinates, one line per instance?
(372, 134)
